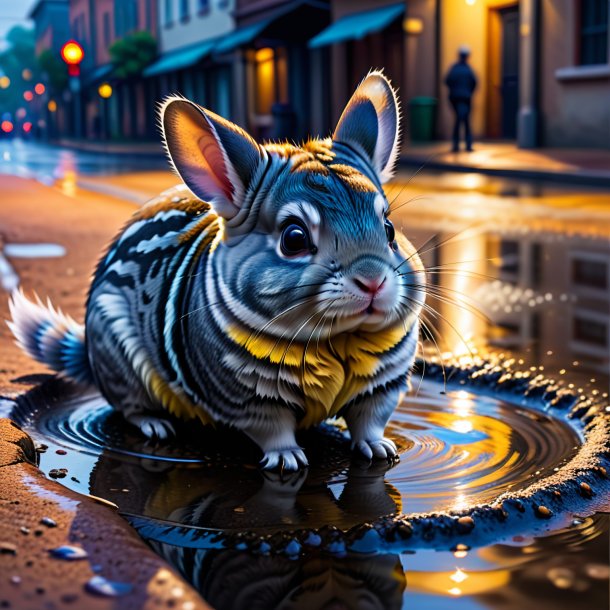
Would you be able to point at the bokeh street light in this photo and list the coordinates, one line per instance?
(5, 82)
(105, 90)
(26, 74)
(28, 96)
(72, 54)
(39, 88)
(52, 105)
(6, 126)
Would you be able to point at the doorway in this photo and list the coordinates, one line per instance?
(503, 72)
(509, 88)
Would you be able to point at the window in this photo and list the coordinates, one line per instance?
(509, 256)
(184, 10)
(593, 32)
(590, 273)
(203, 6)
(107, 29)
(590, 331)
(169, 12)
(125, 16)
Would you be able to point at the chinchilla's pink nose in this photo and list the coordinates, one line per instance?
(369, 285)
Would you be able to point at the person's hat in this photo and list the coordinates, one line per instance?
(464, 50)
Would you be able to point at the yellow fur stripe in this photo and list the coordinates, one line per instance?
(175, 401)
(331, 372)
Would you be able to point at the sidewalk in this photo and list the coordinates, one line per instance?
(154, 149)
(589, 167)
(578, 166)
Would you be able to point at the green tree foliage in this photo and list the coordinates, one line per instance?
(55, 69)
(131, 54)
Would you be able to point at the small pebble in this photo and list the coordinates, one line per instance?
(465, 524)
(585, 490)
(24, 530)
(16, 580)
(48, 522)
(61, 452)
(543, 511)
(8, 548)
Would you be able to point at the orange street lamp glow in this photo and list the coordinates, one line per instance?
(5, 82)
(104, 90)
(28, 96)
(6, 126)
(72, 53)
(40, 88)
(52, 105)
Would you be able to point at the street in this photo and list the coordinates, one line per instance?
(479, 234)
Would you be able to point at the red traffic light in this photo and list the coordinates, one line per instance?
(72, 53)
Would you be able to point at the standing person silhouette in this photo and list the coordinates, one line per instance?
(461, 82)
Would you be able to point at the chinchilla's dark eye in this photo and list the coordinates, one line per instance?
(389, 230)
(295, 239)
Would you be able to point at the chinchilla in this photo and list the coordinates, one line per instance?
(268, 292)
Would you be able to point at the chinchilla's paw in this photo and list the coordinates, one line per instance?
(153, 427)
(289, 459)
(382, 448)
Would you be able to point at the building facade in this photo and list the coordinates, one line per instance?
(543, 66)
(285, 68)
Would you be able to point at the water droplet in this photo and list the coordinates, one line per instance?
(48, 522)
(70, 553)
(98, 585)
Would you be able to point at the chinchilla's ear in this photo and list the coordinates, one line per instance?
(215, 158)
(370, 123)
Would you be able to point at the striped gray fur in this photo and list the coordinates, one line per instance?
(208, 311)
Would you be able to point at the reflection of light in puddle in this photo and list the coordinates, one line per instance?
(462, 425)
(472, 181)
(458, 576)
(67, 184)
(463, 404)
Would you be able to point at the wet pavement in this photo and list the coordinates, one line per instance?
(518, 270)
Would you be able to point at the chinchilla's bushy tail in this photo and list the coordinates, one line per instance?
(51, 337)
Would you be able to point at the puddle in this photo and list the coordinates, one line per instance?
(343, 531)
(34, 250)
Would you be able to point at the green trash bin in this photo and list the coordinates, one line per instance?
(422, 119)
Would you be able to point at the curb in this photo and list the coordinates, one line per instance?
(62, 550)
(584, 178)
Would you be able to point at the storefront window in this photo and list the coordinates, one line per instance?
(271, 79)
